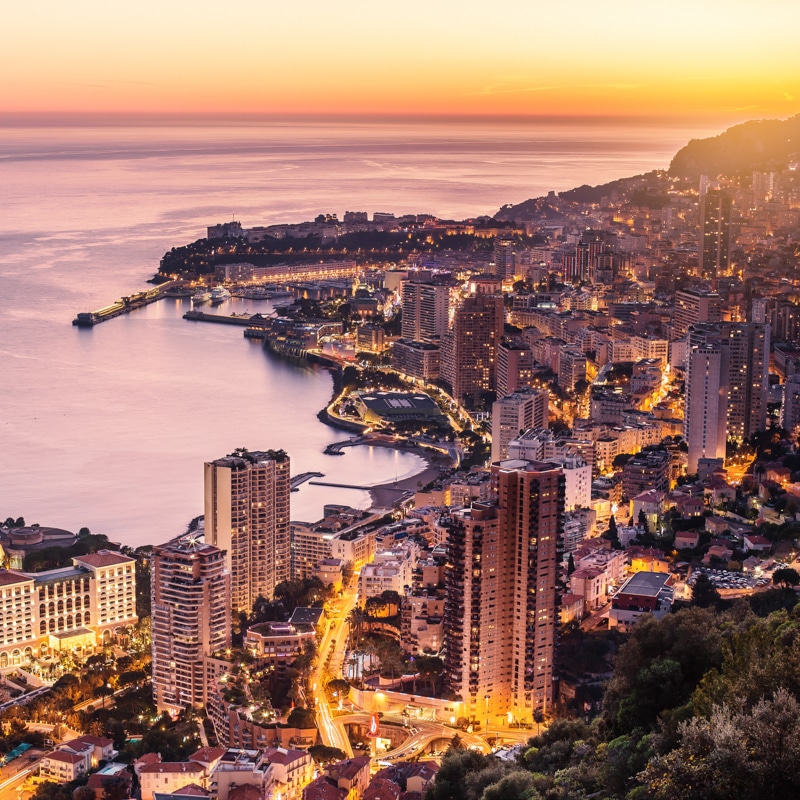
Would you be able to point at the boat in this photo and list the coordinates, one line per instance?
(201, 296)
(219, 294)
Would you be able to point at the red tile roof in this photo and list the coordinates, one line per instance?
(66, 758)
(104, 558)
(9, 577)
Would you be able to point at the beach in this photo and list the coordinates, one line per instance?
(385, 495)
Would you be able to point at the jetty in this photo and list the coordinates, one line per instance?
(245, 320)
(300, 479)
(88, 319)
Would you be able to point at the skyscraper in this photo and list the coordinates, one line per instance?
(706, 403)
(191, 620)
(514, 367)
(504, 257)
(501, 612)
(247, 516)
(728, 366)
(715, 230)
(470, 348)
(426, 308)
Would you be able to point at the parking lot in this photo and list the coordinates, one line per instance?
(725, 579)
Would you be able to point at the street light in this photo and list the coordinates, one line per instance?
(486, 698)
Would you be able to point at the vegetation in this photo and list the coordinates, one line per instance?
(702, 704)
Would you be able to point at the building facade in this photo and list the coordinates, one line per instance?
(502, 588)
(191, 620)
(515, 414)
(469, 349)
(247, 516)
(90, 604)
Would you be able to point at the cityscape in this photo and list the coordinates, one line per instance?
(510, 508)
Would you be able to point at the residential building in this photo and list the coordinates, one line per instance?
(790, 408)
(416, 359)
(715, 229)
(649, 469)
(191, 620)
(514, 414)
(571, 367)
(426, 308)
(276, 645)
(247, 516)
(167, 777)
(501, 610)
(290, 771)
(706, 404)
(693, 306)
(469, 348)
(514, 367)
(726, 386)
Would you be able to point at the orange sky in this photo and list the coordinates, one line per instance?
(704, 58)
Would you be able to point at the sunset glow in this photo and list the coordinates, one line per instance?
(696, 59)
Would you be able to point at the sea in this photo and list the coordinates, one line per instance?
(109, 428)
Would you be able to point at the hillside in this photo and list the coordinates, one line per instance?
(759, 144)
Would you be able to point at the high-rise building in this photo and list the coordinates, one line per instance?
(706, 403)
(514, 367)
(514, 414)
(693, 306)
(247, 516)
(426, 308)
(790, 409)
(191, 620)
(571, 367)
(504, 257)
(502, 594)
(744, 363)
(715, 229)
(470, 348)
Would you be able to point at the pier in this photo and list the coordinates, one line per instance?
(88, 319)
(245, 320)
(300, 479)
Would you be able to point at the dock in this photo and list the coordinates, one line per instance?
(88, 319)
(245, 320)
(300, 479)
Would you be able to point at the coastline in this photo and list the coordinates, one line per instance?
(385, 495)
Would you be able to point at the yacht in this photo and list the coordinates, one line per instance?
(201, 296)
(219, 294)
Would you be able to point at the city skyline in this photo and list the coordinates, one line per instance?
(726, 62)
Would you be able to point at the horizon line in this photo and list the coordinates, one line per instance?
(111, 118)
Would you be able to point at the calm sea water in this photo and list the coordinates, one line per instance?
(109, 428)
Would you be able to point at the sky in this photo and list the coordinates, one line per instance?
(678, 58)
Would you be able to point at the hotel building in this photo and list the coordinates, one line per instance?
(90, 604)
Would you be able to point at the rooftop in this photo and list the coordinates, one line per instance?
(648, 584)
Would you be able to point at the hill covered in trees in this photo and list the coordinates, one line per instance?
(755, 145)
(703, 705)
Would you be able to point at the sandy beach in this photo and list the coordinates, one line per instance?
(386, 494)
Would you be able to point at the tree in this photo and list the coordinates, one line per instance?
(83, 793)
(116, 787)
(301, 718)
(704, 593)
(326, 755)
(787, 577)
(571, 564)
(751, 755)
